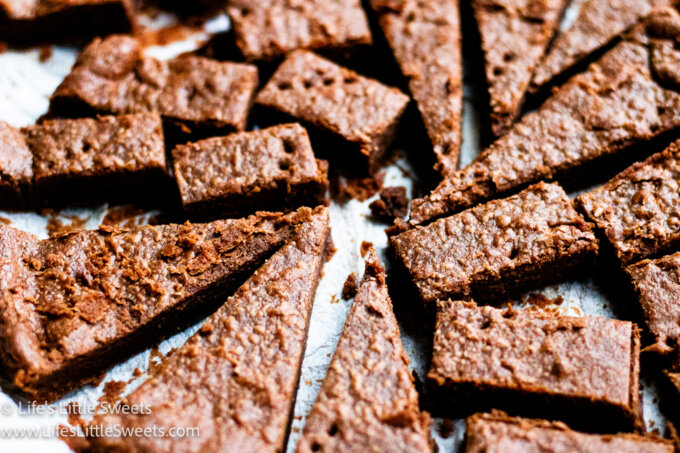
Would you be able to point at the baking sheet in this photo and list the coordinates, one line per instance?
(26, 83)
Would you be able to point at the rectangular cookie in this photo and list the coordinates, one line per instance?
(638, 211)
(16, 167)
(657, 284)
(194, 95)
(495, 250)
(368, 397)
(597, 24)
(266, 169)
(626, 98)
(584, 371)
(426, 42)
(109, 158)
(514, 37)
(73, 305)
(269, 29)
(236, 378)
(357, 116)
(497, 432)
(27, 22)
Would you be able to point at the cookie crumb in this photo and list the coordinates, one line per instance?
(365, 247)
(393, 203)
(349, 289)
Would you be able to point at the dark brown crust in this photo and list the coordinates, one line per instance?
(241, 173)
(199, 95)
(638, 211)
(657, 284)
(268, 29)
(103, 159)
(425, 39)
(75, 304)
(35, 21)
(236, 377)
(584, 371)
(598, 23)
(514, 35)
(495, 250)
(498, 432)
(627, 97)
(360, 113)
(368, 397)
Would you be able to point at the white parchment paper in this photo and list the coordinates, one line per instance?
(25, 86)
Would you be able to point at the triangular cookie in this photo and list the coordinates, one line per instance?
(368, 401)
(235, 379)
(425, 40)
(514, 37)
(597, 24)
(73, 305)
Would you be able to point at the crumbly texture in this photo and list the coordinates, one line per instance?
(360, 113)
(267, 29)
(627, 97)
(639, 210)
(597, 24)
(514, 36)
(235, 379)
(197, 94)
(267, 169)
(349, 288)
(33, 21)
(657, 283)
(494, 250)
(368, 397)
(393, 203)
(16, 166)
(498, 433)
(96, 159)
(75, 304)
(425, 39)
(584, 371)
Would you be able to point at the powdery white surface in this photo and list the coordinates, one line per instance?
(25, 86)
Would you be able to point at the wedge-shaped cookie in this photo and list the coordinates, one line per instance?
(235, 379)
(73, 305)
(425, 40)
(657, 283)
(514, 35)
(368, 401)
(597, 24)
(628, 97)
(638, 211)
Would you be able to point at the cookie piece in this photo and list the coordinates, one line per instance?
(368, 398)
(194, 95)
(241, 173)
(584, 371)
(514, 36)
(425, 39)
(629, 96)
(495, 250)
(268, 29)
(236, 378)
(358, 116)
